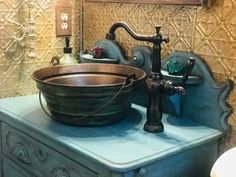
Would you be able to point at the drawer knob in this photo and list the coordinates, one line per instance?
(142, 171)
(139, 172)
(41, 155)
(21, 153)
(61, 173)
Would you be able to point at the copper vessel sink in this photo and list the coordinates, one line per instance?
(88, 94)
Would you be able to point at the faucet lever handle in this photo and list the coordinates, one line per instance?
(166, 39)
(180, 90)
(188, 69)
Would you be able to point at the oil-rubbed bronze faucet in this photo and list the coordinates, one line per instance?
(155, 83)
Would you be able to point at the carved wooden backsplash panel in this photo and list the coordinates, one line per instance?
(208, 32)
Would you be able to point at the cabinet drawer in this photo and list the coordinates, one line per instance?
(12, 170)
(37, 157)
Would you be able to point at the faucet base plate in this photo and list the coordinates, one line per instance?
(153, 127)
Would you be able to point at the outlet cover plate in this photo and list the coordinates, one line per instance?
(63, 19)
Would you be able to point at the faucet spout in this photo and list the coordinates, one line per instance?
(111, 34)
(156, 39)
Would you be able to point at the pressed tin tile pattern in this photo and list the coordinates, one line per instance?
(20, 57)
(210, 33)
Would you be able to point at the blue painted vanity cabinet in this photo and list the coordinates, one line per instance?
(34, 145)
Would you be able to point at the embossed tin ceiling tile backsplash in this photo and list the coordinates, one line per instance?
(206, 32)
(28, 42)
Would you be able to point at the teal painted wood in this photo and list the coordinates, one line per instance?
(196, 162)
(120, 147)
(10, 169)
(1, 166)
(187, 148)
(204, 102)
(0, 153)
(38, 158)
(205, 99)
(112, 53)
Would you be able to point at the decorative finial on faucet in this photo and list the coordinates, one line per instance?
(163, 39)
(158, 28)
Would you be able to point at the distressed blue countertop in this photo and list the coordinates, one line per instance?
(120, 146)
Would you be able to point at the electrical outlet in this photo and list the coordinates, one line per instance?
(64, 16)
(63, 19)
(64, 26)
